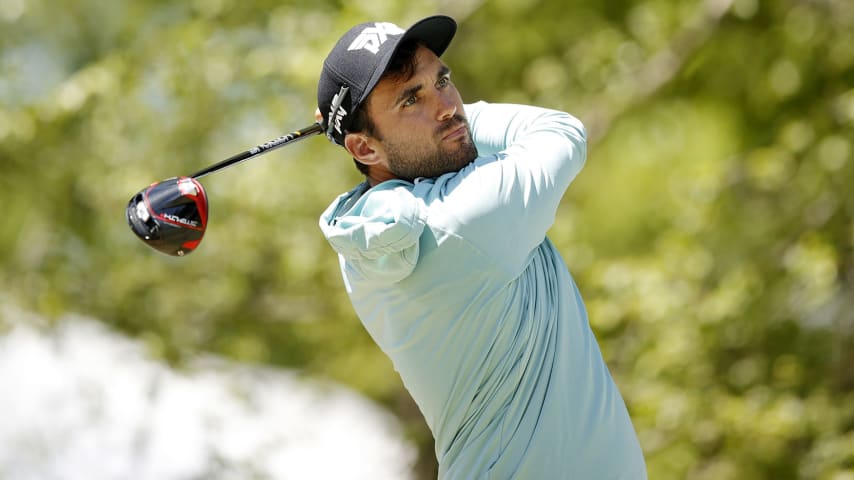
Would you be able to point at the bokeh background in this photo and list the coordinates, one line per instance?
(710, 233)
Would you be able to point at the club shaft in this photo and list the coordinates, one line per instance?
(261, 149)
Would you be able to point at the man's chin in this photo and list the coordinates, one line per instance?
(464, 153)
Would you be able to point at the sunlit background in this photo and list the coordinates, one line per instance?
(710, 233)
(80, 401)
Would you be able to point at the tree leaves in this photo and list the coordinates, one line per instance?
(710, 233)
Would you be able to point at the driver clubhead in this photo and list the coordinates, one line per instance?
(170, 216)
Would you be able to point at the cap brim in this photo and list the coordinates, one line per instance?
(436, 32)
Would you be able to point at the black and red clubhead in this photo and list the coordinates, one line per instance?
(170, 216)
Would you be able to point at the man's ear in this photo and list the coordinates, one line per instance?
(363, 148)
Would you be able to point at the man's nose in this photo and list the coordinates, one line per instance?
(447, 107)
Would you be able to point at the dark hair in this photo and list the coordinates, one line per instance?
(401, 67)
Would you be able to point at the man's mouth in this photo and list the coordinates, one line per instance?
(458, 131)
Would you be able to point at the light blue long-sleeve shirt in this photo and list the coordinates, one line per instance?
(455, 280)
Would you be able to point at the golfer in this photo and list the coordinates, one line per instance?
(444, 255)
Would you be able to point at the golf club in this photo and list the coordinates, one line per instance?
(171, 215)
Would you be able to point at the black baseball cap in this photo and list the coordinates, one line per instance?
(357, 62)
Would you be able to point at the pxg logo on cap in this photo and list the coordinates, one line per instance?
(371, 38)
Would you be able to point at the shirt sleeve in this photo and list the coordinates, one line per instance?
(506, 200)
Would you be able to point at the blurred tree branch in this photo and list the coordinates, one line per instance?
(659, 69)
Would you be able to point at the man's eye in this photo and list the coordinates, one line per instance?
(443, 82)
(410, 101)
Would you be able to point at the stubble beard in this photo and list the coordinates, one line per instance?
(408, 162)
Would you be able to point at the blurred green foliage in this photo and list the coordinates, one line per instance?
(711, 231)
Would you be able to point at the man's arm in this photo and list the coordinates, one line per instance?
(507, 199)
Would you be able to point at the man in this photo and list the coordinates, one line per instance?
(445, 259)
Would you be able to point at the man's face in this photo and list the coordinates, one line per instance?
(420, 125)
